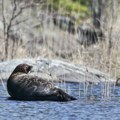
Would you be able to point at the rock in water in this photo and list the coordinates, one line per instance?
(118, 82)
(22, 86)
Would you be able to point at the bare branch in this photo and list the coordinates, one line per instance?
(15, 15)
(19, 22)
(3, 17)
(20, 11)
(7, 26)
(38, 2)
(12, 18)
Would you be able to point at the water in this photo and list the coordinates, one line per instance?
(91, 106)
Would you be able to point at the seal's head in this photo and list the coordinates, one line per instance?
(23, 68)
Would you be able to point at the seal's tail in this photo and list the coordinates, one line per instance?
(64, 96)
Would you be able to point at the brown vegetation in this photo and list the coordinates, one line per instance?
(29, 31)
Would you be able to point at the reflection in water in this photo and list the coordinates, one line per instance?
(91, 106)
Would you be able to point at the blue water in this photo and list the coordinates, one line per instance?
(88, 107)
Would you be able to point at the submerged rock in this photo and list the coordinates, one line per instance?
(56, 70)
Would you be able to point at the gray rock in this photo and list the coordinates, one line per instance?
(57, 70)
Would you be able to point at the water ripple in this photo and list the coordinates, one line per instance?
(89, 107)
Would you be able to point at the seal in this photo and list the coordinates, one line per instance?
(23, 86)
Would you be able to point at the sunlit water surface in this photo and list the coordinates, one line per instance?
(89, 106)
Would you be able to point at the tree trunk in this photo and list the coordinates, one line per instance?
(97, 9)
(6, 49)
